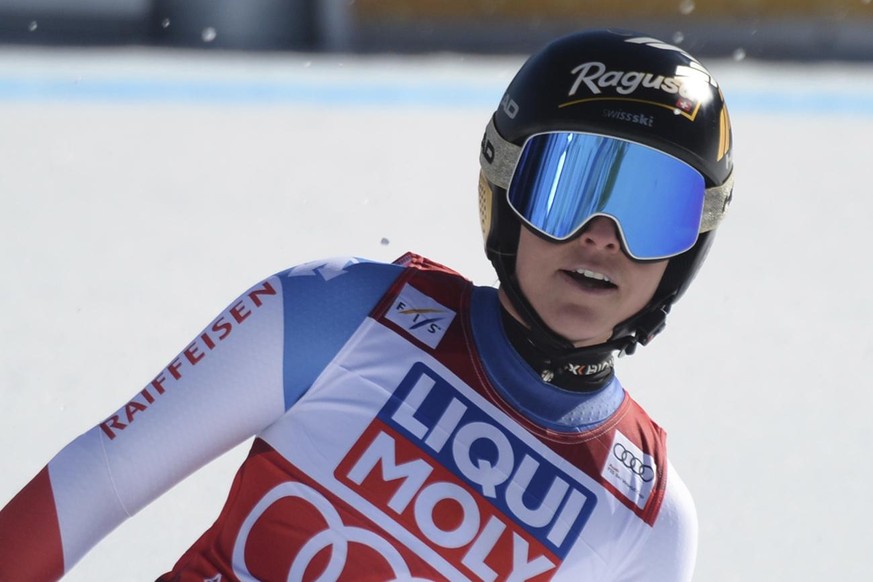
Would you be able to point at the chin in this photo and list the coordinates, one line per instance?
(582, 339)
(579, 330)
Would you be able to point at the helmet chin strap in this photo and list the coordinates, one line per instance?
(640, 328)
(559, 350)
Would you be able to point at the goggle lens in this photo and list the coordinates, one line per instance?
(564, 179)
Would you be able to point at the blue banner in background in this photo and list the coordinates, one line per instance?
(452, 81)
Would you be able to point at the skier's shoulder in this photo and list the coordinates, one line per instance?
(421, 263)
(636, 416)
(337, 275)
(346, 274)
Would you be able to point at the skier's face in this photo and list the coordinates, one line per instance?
(586, 286)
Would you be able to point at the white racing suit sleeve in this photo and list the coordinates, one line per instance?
(223, 387)
(670, 551)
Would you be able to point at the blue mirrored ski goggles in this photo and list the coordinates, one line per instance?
(564, 179)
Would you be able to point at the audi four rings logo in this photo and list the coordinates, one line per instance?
(629, 460)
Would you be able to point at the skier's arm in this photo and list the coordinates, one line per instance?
(222, 388)
(235, 378)
(670, 551)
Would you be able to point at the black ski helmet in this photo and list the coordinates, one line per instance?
(620, 84)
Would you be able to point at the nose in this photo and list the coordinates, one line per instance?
(602, 233)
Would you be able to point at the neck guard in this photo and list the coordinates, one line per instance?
(578, 369)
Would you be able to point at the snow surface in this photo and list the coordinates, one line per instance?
(143, 190)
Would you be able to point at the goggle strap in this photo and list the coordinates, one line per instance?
(498, 157)
(715, 204)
